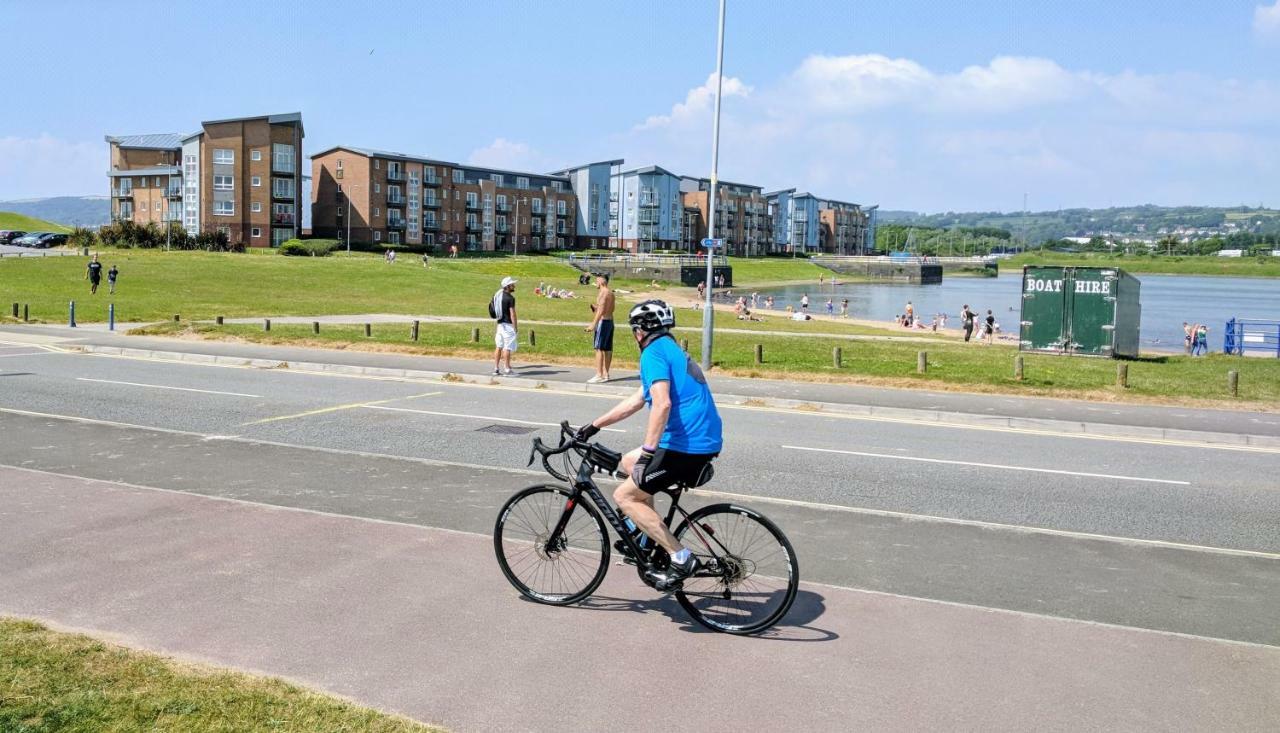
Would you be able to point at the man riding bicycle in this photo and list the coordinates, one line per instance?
(682, 438)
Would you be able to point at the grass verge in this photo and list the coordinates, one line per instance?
(70, 683)
(951, 366)
(22, 222)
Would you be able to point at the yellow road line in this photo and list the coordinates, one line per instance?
(336, 408)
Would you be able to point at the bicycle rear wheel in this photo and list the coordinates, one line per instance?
(559, 574)
(750, 576)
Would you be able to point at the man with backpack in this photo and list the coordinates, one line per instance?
(502, 308)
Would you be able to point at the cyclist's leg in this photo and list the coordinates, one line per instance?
(638, 504)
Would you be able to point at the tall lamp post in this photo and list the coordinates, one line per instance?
(515, 229)
(708, 312)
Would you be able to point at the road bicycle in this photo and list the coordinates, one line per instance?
(554, 548)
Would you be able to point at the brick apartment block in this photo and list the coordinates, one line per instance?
(240, 176)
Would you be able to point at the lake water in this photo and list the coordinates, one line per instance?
(1167, 301)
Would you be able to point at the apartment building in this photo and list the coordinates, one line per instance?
(239, 176)
(742, 215)
(845, 228)
(395, 198)
(646, 211)
(597, 206)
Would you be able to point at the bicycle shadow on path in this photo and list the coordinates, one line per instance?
(796, 626)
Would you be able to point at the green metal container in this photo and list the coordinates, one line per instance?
(1090, 311)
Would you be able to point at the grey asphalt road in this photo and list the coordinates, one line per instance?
(418, 621)
(1153, 416)
(1050, 529)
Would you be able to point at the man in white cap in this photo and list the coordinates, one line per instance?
(503, 310)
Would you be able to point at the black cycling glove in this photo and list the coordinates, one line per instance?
(586, 432)
(642, 465)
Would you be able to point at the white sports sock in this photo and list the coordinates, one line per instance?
(682, 556)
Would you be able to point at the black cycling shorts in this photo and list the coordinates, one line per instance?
(671, 467)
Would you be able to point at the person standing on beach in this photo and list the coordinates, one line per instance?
(602, 326)
(831, 308)
(844, 308)
(93, 273)
(966, 321)
(989, 329)
(804, 302)
(1186, 342)
(910, 317)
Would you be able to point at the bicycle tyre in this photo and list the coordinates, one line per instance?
(772, 573)
(526, 520)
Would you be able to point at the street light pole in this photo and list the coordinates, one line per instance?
(708, 312)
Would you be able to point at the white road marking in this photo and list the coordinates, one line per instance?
(488, 538)
(477, 417)
(162, 386)
(990, 465)
(29, 353)
(336, 408)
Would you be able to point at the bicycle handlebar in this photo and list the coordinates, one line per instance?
(586, 450)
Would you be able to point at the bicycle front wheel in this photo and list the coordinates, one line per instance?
(749, 577)
(561, 571)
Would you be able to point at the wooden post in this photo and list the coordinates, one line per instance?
(15, 310)
(922, 362)
(475, 335)
(25, 312)
(837, 357)
(533, 337)
(315, 327)
(176, 318)
(368, 330)
(413, 333)
(266, 324)
(1233, 382)
(218, 320)
(1017, 368)
(1122, 375)
(759, 353)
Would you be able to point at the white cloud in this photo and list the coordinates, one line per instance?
(698, 102)
(511, 154)
(36, 167)
(1266, 19)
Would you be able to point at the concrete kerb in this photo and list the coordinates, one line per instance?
(953, 419)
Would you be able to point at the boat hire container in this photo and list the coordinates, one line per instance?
(1090, 311)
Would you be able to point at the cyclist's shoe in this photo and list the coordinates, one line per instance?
(672, 579)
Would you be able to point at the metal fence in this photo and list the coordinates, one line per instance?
(907, 259)
(645, 260)
(1250, 334)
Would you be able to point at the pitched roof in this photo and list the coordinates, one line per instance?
(155, 141)
(565, 171)
(393, 155)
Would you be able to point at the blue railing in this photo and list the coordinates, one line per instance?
(1250, 334)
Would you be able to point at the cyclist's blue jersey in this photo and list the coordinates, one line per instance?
(694, 425)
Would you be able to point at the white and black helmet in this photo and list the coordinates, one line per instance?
(651, 316)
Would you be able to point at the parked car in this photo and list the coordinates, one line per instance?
(29, 239)
(50, 240)
(8, 235)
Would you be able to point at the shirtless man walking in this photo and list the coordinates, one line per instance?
(602, 325)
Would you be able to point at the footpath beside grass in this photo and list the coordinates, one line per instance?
(951, 365)
(1154, 264)
(70, 683)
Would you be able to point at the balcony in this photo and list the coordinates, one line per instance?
(502, 229)
(395, 224)
(280, 192)
(122, 193)
(283, 219)
(564, 214)
(431, 203)
(431, 181)
(395, 200)
(649, 218)
(175, 193)
(502, 208)
(395, 174)
(430, 225)
(285, 165)
(473, 226)
(473, 206)
(649, 203)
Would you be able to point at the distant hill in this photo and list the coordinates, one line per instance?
(86, 211)
(10, 220)
(1145, 220)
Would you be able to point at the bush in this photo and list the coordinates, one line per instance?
(307, 248)
(81, 237)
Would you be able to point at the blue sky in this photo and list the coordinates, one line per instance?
(931, 105)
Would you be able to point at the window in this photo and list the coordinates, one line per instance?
(377, 188)
(191, 160)
(471, 200)
(431, 239)
(339, 163)
(377, 164)
(255, 154)
(223, 183)
(522, 182)
(557, 185)
(142, 182)
(224, 155)
(496, 178)
(502, 201)
(502, 223)
(224, 208)
(413, 201)
(471, 221)
(560, 207)
(282, 188)
(282, 214)
(393, 237)
(488, 199)
(225, 231)
(159, 182)
(457, 176)
(339, 176)
(560, 226)
(255, 181)
(255, 207)
(255, 232)
(377, 211)
(377, 236)
(282, 158)
(280, 236)
(142, 206)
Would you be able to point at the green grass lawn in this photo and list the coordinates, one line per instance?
(1176, 265)
(70, 683)
(10, 220)
(969, 367)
